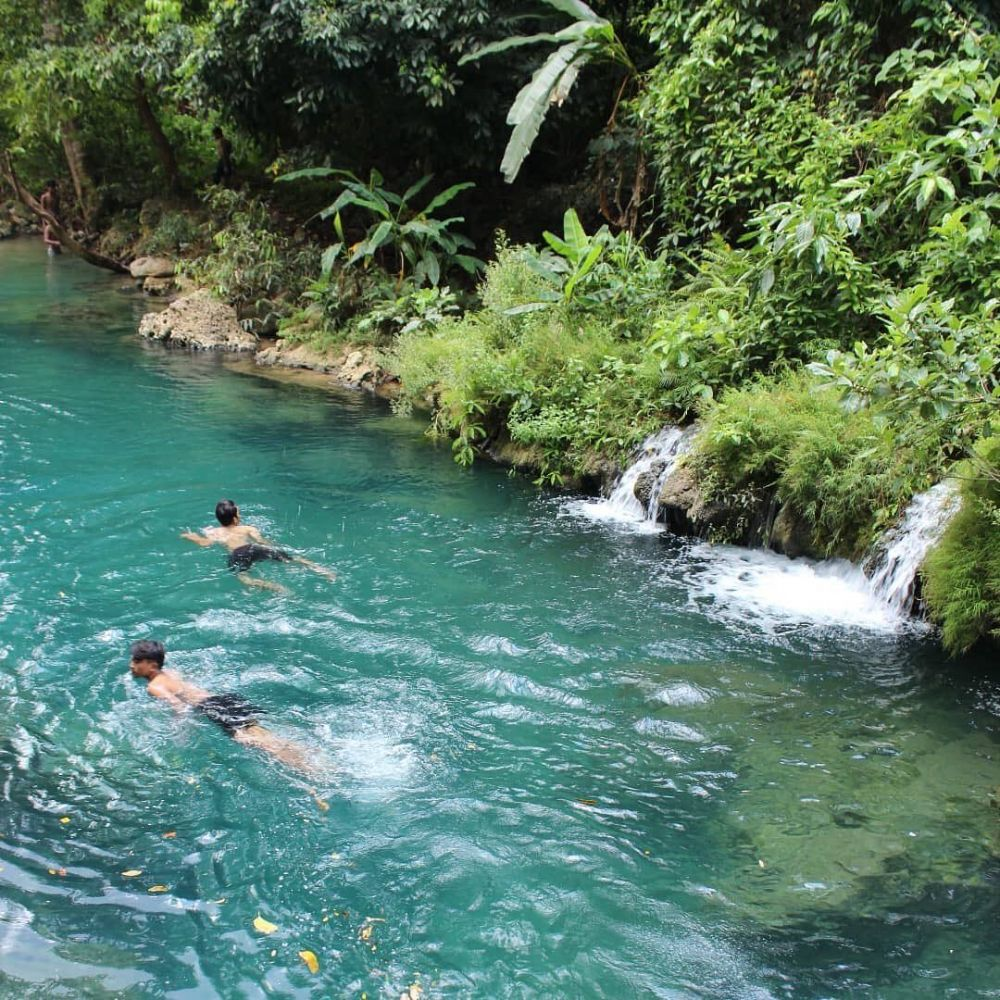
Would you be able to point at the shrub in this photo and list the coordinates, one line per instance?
(962, 573)
(844, 471)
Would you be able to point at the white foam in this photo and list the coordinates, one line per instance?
(622, 508)
(771, 591)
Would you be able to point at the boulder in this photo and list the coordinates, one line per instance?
(646, 482)
(198, 321)
(790, 535)
(678, 496)
(158, 286)
(299, 356)
(151, 267)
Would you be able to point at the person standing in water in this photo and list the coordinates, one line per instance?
(234, 714)
(49, 201)
(246, 546)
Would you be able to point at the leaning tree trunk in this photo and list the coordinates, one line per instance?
(164, 151)
(65, 237)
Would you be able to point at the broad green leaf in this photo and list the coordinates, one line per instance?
(573, 231)
(445, 196)
(296, 175)
(503, 45)
(575, 8)
(529, 108)
(414, 189)
(330, 255)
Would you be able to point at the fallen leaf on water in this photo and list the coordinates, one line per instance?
(312, 962)
(169, 835)
(222, 900)
(264, 926)
(412, 992)
(158, 888)
(57, 871)
(366, 932)
(587, 802)
(64, 819)
(761, 863)
(132, 872)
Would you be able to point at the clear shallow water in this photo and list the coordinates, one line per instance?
(562, 760)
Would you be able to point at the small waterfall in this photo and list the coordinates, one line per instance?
(892, 568)
(656, 459)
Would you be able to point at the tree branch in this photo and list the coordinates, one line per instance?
(65, 237)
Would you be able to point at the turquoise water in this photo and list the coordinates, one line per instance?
(560, 760)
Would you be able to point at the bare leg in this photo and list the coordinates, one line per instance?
(287, 752)
(315, 567)
(253, 581)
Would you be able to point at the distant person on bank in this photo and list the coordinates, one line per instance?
(247, 546)
(224, 169)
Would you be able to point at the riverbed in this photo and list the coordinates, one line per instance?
(560, 758)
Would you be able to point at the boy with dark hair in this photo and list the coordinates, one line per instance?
(246, 546)
(233, 713)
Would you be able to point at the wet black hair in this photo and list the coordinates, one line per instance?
(217, 131)
(50, 184)
(148, 649)
(226, 511)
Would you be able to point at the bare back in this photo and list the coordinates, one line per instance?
(172, 688)
(232, 536)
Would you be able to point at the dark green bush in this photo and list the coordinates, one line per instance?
(962, 573)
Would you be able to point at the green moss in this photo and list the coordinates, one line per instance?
(962, 573)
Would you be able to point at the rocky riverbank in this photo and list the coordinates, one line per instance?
(198, 321)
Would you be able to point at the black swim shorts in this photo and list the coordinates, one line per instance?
(246, 555)
(229, 711)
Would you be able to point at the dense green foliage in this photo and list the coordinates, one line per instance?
(962, 575)
(801, 204)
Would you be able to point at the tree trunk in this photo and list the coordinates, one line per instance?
(164, 151)
(9, 174)
(82, 184)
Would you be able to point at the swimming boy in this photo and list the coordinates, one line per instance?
(246, 546)
(236, 716)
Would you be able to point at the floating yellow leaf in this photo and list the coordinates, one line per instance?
(366, 932)
(132, 872)
(57, 871)
(64, 819)
(158, 888)
(264, 926)
(587, 802)
(312, 962)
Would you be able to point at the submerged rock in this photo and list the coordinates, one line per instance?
(198, 321)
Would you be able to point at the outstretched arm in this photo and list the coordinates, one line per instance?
(193, 536)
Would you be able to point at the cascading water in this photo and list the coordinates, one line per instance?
(893, 567)
(878, 595)
(657, 458)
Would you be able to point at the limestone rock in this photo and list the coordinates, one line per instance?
(298, 356)
(790, 535)
(151, 267)
(644, 484)
(198, 321)
(158, 286)
(678, 496)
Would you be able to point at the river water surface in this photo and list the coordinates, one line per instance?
(561, 759)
